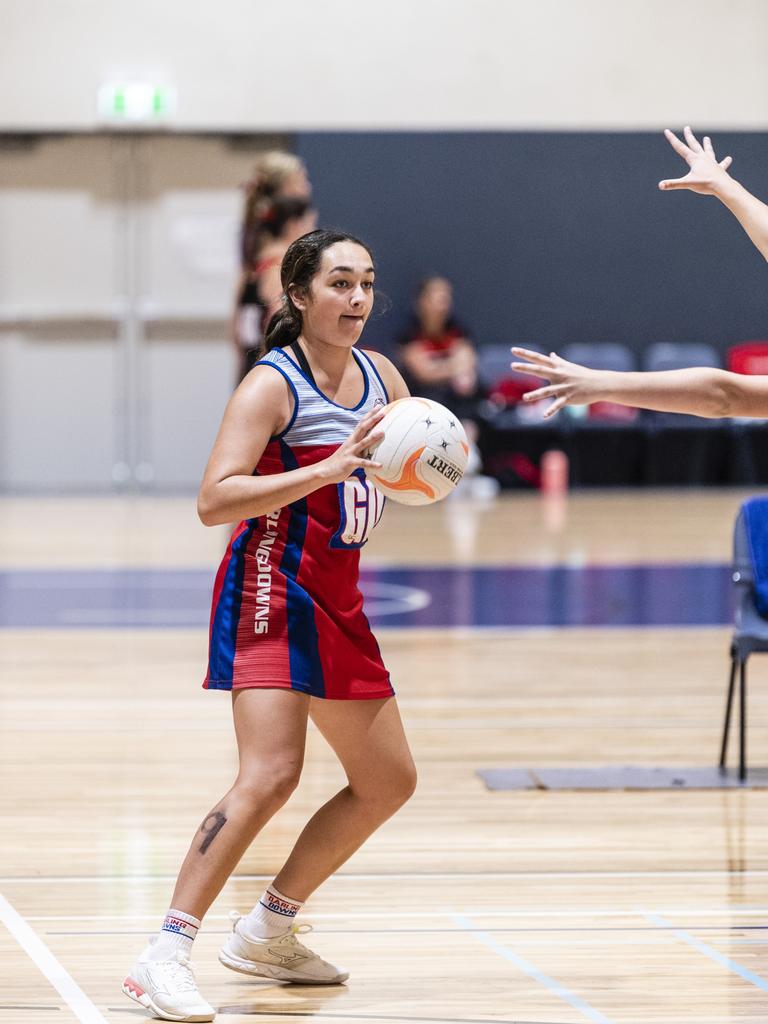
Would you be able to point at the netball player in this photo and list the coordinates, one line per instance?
(285, 219)
(276, 176)
(288, 634)
(698, 391)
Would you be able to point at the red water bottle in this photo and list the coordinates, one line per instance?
(554, 472)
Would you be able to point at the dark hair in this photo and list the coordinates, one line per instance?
(300, 264)
(428, 281)
(280, 212)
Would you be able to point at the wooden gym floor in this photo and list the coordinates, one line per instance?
(469, 906)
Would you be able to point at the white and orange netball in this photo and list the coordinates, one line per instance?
(423, 453)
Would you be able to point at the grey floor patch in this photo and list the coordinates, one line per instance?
(620, 776)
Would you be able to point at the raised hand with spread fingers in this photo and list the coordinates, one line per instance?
(709, 176)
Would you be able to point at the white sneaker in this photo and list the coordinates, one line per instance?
(283, 957)
(168, 988)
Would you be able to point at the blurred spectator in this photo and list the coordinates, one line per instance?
(439, 360)
(277, 210)
(436, 355)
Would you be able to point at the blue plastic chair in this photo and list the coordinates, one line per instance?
(600, 355)
(750, 633)
(668, 355)
(493, 361)
(603, 355)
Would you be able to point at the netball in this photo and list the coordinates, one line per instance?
(423, 454)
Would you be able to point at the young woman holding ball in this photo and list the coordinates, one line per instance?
(289, 637)
(697, 391)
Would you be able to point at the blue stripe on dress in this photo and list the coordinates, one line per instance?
(303, 652)
(372, 365)
(227, 617)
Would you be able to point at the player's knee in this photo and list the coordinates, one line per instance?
(406, 783)
(284, 782)
(272, 783)
(395, 787)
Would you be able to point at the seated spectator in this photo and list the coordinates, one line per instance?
(438, 358)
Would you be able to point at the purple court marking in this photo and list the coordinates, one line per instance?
(519, 597)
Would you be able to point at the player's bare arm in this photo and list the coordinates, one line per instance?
(698, 391)
(260, 408)
(709, 176)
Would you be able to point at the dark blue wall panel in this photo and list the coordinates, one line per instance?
(549, 237)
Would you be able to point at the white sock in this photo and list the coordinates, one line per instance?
(176, 936)
(273, 915)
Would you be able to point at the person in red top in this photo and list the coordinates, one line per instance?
(278, 193)
(435, 352)
(438, 359)
(282, 221)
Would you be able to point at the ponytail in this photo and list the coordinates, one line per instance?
(283, 328)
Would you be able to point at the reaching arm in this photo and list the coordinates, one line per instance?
(699, 391)
(708, 176)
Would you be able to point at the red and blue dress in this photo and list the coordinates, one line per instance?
(287, 611)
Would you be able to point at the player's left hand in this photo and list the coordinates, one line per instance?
(570, 383)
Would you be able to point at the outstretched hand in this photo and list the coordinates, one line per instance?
(706, 174)
(569, 383)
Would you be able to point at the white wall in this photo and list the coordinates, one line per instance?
(118, 258)
(306, 64)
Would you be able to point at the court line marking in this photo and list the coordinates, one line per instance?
(588, 938)
(48, 965)
(702, 947)
(537, 912)
(11, 1006)
(418, 875)
(551, 984)
(469, 632)
(410, 1019)
(200, 626)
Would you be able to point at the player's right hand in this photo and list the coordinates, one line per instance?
(569, 383)
(707, 174)
(354, 453)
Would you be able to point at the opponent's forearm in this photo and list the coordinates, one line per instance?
(246, 497)
(750, 212)
(699, 391)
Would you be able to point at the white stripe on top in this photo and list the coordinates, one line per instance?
(316, 419)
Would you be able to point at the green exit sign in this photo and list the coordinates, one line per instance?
(136, 102)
